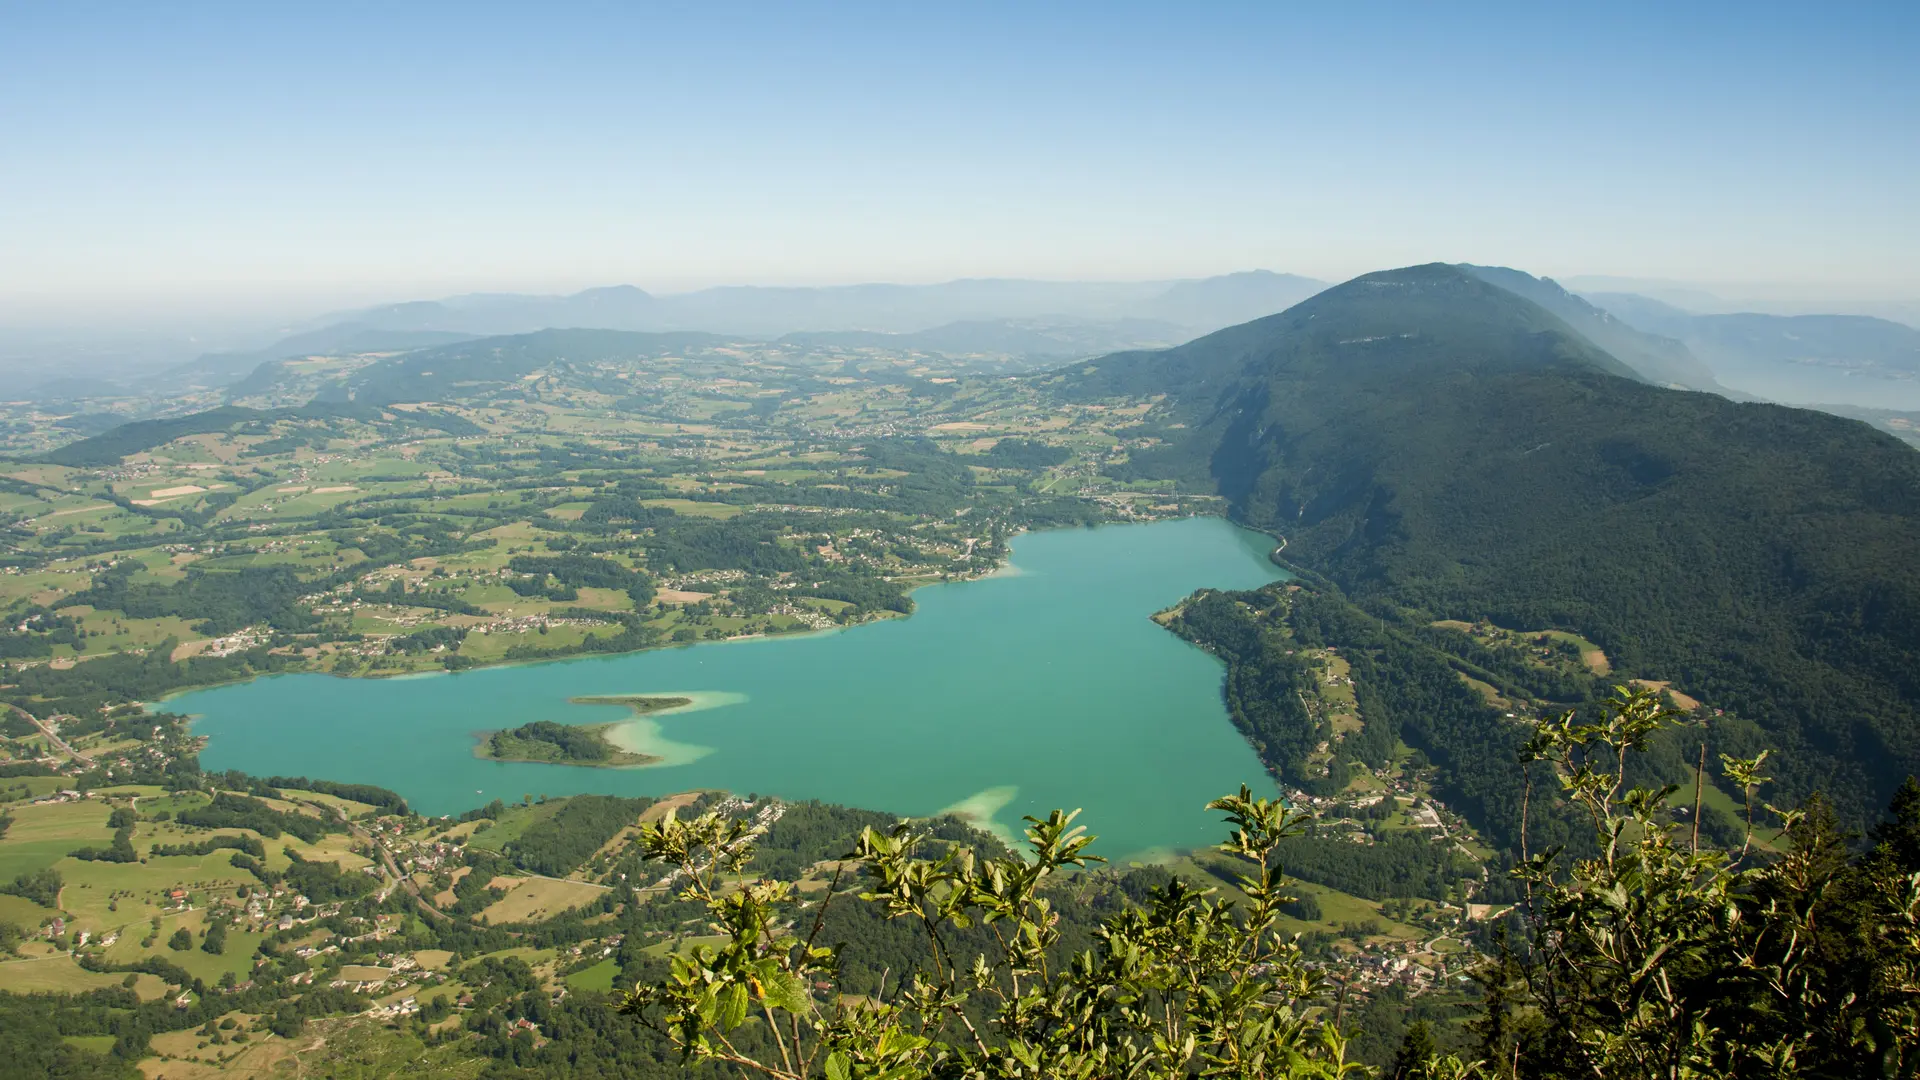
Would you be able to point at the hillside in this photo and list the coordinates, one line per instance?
(1442, 448)
(110, 446)
(441, 373)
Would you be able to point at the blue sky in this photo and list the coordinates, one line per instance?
(346, 152)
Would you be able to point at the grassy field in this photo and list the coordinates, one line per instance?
(52, 975)
(238, 957)
(42, 835)
(598, 977)
(540, 898)
(345, 1047)
(517, 820)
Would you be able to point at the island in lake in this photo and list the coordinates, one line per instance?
(567, 744)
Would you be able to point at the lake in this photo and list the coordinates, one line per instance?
(1044, 686)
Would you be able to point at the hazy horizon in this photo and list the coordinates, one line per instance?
(266, 164)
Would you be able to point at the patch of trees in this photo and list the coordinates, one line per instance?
(864, 593)
(230, 811)
(545, 740)
(131, 438)
(250, 845)
(1013, 453)
(573, 570)
(611, 513)
(220, 601)
(370, 794)
(35, 633)
(1398, 864)
(292, 1016)
(749, 542)
(557, 846)
(40, 886)
(490, 812)
(243, 861)
(474, 891)
(634, 634)
(1057, 512)
(33, 1030)
(323, 882)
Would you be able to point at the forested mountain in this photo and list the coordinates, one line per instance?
(1442, 448)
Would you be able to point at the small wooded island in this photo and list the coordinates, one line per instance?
(550, 743)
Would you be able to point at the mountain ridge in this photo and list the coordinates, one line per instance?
(1461, 453)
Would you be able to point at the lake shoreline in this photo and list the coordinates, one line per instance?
(1002, 570)
(986, 688)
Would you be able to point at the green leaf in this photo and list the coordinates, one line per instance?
(732, 1007)
(784, 990)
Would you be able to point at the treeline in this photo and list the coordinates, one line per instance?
(249, 845)
(383, 798)
(230, 811)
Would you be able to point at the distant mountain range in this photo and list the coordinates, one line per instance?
(1852, 360)
(1011, 317)
(1036, 338)
(1441, 447)
(757, 311)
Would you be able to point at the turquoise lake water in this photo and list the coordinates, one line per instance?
(1046, 686)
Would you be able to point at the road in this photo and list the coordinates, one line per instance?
(386, 861)
(53, 736)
